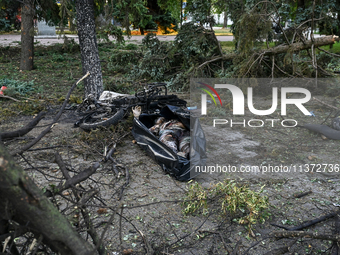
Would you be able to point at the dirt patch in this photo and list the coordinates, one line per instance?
(152, 198)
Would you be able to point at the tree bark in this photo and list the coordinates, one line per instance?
(225, 20)
(23, 202)
(27, 35)
(88, 47)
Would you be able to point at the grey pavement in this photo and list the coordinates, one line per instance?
(14, 40)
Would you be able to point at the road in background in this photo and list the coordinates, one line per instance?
(14, 40)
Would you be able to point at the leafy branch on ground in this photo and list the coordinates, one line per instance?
(243, 204)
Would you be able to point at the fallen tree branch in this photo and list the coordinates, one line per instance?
(127, 181)
(79, 177)
(70, 182)
(8, 97)
(24, 130)
(330, 106)
(286, 234)
(330, 53)
(309, 223)
(335, 250)
(299, 195)
(23, 201)
(48, 129)
(283, 48)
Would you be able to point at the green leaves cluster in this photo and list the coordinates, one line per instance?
(227, 198)
(131, 12)
(124, 58)
(17, 87)
(175, 62)
(5, 25)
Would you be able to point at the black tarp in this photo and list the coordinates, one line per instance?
(178, 166)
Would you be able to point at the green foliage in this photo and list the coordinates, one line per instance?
(131, 12)
(48, 10)
(195, 43)
(124, 57)
(112, 30)
(200, 11)
(253, 30)
(17, 87)
(227, 197)
(156, 60)
(175, 62)
(8, 15)
(172, 6)
(5, 25)
(56, 57)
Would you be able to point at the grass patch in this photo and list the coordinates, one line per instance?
(56, 68)
(227, 46)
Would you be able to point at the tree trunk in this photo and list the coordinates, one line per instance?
(225, 20)
(141, 30)
(181, 17)
(88, 47)
(24, 203)
(27, 35)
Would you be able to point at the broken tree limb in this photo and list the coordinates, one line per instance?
(70, 181)
(90, 229)
(309, 223)
(286, 234)
(284, 48)
(330, 106)
(24, 203)
(24, 130)
(48, 129)
(330, 53)
(335, 249)
(127, 181)
(8, 97)
(79, 177)
(299, 195)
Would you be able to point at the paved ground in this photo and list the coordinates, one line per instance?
(14, 40)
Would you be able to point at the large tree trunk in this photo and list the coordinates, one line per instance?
(27, 35)
(225, 20)
(21, 201)
(88, 47)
